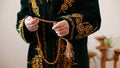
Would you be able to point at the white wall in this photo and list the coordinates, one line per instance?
(13, 50)
(110, 13)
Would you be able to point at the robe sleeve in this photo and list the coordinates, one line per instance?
(85, 21)
(20, 26)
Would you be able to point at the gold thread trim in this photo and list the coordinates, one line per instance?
(83, 28)
(34, 7)
(20, 29)
(36, 62)
(66, 5)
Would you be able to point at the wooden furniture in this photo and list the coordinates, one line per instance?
(102, 49)
(91, 54)
(116, 57)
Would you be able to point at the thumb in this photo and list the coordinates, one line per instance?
(54, 23)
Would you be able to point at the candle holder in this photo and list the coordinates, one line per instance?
(102, 49)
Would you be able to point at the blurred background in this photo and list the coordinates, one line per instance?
(13, 50)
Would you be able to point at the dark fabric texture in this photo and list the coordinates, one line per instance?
(49, 11)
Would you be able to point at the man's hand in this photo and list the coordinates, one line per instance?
(32, 23)
(61, 28)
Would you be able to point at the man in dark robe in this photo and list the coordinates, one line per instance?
(74, 20)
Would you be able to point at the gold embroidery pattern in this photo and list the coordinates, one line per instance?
(83, 28)
(80, 28)
(76, 15)
(66, 5)
(88, 28)
(20, 29)
(36, 62)
(34, 7)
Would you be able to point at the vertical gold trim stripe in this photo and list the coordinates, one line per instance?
(20, 29)
(34, 7)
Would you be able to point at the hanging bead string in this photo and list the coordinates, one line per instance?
(68, 52)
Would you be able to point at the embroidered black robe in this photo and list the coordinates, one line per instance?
(83, 17)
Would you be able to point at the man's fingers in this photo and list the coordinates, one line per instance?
(61, 28)
(32, 23)
(62, 33)
(57, 25)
